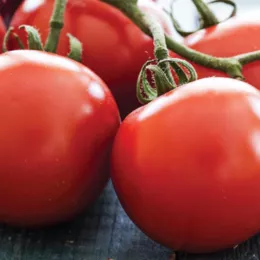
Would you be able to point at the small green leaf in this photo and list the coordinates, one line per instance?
(163, 85)
(6, 39)
(76, 48)
(184, 76)
(34, 39)
(144, 91)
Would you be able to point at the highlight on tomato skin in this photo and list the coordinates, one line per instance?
(186, 167)
(58, 124)
(117, 59)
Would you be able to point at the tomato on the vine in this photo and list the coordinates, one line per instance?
(113, 46)
(186, 167)
(236, 36)
(58, 122)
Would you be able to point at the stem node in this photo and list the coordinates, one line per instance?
(56, 25)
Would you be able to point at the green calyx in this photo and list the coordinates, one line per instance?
(34, 41)
(146, 92)
(161, 67)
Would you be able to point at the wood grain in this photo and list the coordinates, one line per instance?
(101, 233)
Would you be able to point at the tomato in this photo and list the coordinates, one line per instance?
(186, 167)
(233, 37)
(113, 46)
(58, 122)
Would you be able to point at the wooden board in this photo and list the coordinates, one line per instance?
(101, 233)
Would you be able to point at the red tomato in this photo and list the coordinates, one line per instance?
(113, 46)
(233, 37)
(58, 123)
(186, 167)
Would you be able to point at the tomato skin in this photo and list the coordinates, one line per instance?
(113, 46)
(186, 167)
(58, 124)
(234, 37)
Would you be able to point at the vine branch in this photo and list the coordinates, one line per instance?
(232, 66)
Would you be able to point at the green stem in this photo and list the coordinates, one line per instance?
(248, 57)
(231, 65)
(160, 48)
(208, 17)
(56, 25)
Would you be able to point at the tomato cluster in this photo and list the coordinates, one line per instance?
(185, 167)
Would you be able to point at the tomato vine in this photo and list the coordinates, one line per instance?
(232, 65)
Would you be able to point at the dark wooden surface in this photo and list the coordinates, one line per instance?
(102, 232)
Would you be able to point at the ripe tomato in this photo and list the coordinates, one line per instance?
(233, 37)
(186, 167)
(113, 46)
(58, 123)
